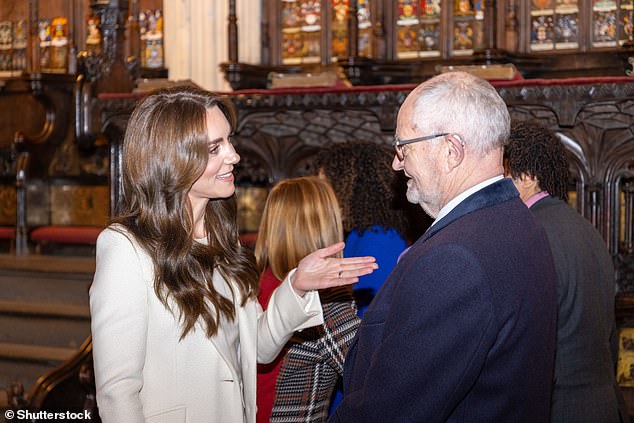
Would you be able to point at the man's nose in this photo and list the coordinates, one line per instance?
(396, 163)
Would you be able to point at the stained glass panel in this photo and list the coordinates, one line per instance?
(364, 15)
(301, 31)
(611, 22)
(625, 21)
(418, 28)
(339, 28)
(467, 27)
(604, 27)
(566, 24)
(541, 25)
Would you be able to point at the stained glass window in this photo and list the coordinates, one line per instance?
(418, 28)
(554, 25)
(339, 28)
(365, 28)
(313, 31)
(625, 21)
(467, 26)
(340, 10)
(566, 24)
(604, 28)
(301, 31)
(542, 32)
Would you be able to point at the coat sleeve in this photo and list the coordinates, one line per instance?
(330, 342)
(424, 347)
(118, 308)
(285, 314)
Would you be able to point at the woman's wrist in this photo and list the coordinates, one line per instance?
(292, 277)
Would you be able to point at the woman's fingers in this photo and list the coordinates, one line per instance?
(350, 274)
(346, 267)
(330, 250)
(319, 270)
(356, 260)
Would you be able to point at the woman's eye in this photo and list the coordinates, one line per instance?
(214, 149)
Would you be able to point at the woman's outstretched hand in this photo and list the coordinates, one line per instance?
(318, 270)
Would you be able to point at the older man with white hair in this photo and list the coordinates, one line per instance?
(463, 330)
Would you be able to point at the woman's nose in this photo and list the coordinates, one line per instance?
(232, 156)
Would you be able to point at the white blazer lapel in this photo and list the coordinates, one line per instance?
(247, 322)
(220, 340)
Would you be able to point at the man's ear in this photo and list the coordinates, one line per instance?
(527, 186)
(455, 151)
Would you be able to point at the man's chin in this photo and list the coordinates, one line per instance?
(413, 196)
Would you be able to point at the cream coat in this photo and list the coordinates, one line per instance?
(145, 373)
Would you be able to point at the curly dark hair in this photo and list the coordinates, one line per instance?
(365, 185)
(535, 150)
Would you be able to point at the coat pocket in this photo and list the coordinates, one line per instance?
(170, 415)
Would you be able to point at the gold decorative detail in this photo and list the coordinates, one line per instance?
(250, 206)
(7, 205)
(80, 205)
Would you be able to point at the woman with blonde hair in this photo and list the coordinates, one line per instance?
(176, 325)
(302, 215)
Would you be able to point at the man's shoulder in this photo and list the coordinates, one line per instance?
(554, 215)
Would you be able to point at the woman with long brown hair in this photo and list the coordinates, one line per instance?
(176, 325)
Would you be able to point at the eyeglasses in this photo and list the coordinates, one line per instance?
(398, 144)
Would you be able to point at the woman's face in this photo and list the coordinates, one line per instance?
(217, 179)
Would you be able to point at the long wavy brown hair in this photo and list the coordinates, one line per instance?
(165, 151)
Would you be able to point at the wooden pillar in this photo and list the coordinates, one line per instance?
(490, 24)
(134, 30)
(353, 29)
(510, 27)
(33, 41)
(232, 32)
(109, 69)
(628, 236)
(490, 53)
(21, 235)
(380, 45)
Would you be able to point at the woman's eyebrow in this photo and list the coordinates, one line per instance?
(216, 141)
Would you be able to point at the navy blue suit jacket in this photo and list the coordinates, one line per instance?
(463, 330)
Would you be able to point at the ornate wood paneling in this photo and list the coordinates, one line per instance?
(36, 116)
(279, 144)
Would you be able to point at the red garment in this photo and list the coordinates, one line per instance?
(267, 373)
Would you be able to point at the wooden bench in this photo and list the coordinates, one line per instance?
(46, 236)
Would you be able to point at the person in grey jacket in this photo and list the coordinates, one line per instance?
(584, 385)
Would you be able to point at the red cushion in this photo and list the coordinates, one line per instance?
(7, 232)
(66, 234)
